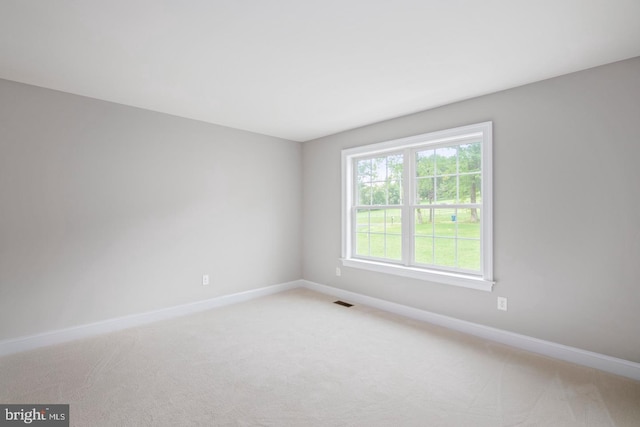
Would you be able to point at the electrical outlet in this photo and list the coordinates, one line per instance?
(502, 303)
(205, 279)
(338, 272)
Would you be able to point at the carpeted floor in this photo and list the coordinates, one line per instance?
(296, 359)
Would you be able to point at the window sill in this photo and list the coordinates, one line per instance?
(464, 281)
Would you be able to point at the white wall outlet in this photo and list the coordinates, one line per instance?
(205, 279)
(502, 303)
(338, 272)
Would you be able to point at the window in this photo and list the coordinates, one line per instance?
(421, 207)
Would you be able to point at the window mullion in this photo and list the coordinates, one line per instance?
(407, 202)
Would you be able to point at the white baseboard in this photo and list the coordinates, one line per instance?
(558, 351)
(16, 345)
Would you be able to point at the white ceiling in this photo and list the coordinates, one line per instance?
(301, 69)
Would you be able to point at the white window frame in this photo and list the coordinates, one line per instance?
(409, 145)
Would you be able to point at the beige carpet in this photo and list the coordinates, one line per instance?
(296, 359)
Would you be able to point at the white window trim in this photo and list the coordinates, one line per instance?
(484, 283)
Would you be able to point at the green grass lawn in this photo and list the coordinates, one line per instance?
(442, 242)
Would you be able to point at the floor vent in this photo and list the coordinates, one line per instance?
(346, 304)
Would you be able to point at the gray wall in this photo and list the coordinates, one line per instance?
(107, 210)
(567, 211)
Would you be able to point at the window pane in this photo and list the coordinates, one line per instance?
(364, 171)
(446, 160)
(424, 250)
(378, 193)
(425, 190)
(469, 254)
(377, 245)
(394, 167)
(362, 220)
(394, 192)
(362, 244)
(380, 169)
(424, 222)
(446, 191)
(468, 223)
(445, 222)
(376, 220)
(425, 163)
(393, 221)
(364, 194)
(394, 247)
(470, 186)
(379, 180)
(379, 233)
(445, 252)
(393, 228)
(469, 157)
